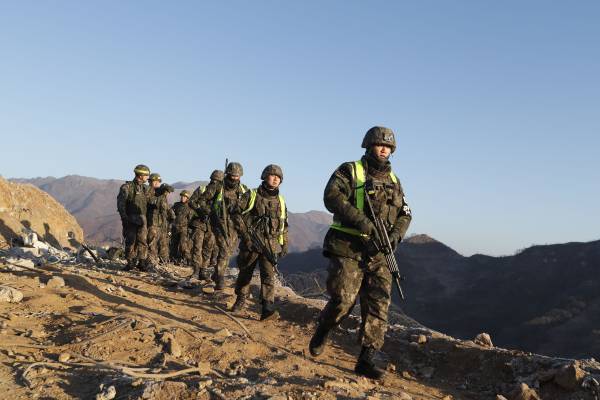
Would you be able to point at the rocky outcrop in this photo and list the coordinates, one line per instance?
(25, 208)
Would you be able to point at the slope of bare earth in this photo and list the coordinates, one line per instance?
(151, 337)
(24, 206)
(93, 203)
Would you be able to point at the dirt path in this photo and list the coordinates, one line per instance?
(108, 315)
(125, 329)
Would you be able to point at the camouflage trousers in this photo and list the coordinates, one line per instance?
(181, 245)
(136, 247)
(209, 250)
(370, 281)
(246, 262)
(225, 250)
(158, 243)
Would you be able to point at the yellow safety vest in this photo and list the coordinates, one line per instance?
(282, 215)
(359, 176)
(219, 200)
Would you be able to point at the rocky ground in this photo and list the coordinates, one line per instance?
(72, 328)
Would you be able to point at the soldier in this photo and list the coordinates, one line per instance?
(356, 267)
(202, 231)
(160, 216)
(210, 250)
(132, 202)
(264, 217)
(224, 198)
(180, 238)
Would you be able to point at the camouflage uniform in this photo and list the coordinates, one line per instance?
(200, 225)
(356, 268)
(180, 238)
(160, 216)
(268, 215)
(228, 192)
(210, 251)
(132, 202)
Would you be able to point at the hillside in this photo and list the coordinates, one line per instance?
(93, 203)
(26, 208)
(97, 332)
(544, 299)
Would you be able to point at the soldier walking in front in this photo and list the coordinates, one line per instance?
(357, 266)
(132, 203)
(264, 240)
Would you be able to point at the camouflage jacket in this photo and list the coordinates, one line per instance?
(218, 194)
(132, 202)
(159, 211)
(262, 211)
(339, 198)
(183, 215)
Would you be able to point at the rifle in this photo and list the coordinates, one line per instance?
(259, 244)
(382, 242)
(223, 223)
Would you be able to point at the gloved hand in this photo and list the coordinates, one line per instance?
(372, 248)
(394, 240)
(366, 226)
(137, 220)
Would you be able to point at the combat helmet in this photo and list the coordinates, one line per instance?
(379, 135)
(272, 169)
(141, 169)
(234, 168)
(155, 176)
(185, 193)
(217, 175)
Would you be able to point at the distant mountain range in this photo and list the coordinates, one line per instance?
(545, 299)
(93, 202)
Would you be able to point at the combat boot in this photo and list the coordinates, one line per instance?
(220, 283)
(318, 341)
(130, 265)
(365, 365)
(203, 274)
(240, 301)
(268, 312)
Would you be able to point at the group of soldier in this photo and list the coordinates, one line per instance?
(206, 226)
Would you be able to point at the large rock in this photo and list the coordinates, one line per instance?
(10, 295)
(25, 209)
(524, 392)
(570, 377)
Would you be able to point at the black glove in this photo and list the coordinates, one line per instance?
(372, 248)
(365, 226)
(137, 220)
(394, 240)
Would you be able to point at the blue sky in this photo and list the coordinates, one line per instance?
(496, 105)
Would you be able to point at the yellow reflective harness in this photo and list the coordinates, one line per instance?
(219, 200)
(359, 176)
(282, 215)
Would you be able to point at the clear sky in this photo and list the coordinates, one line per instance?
(496, 105)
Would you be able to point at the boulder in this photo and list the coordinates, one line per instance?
(570, 377)
(11, 295)
(524, 392)
(55, 282)
(484, 339)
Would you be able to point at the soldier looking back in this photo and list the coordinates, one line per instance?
(132, 202)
